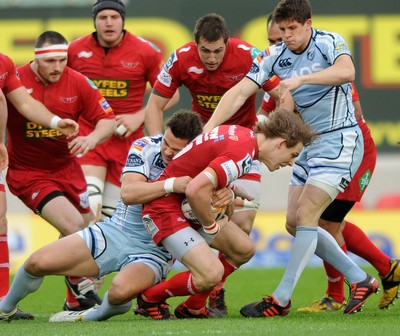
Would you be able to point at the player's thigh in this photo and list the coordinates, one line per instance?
(237, 246)
(244, 219)
(98, 171)
(63, 215)
(66, 256)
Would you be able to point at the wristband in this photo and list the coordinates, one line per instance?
(121, 130)
(212, 229)
(169, 185)
(54, 121)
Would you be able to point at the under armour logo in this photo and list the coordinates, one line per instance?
(191, 240)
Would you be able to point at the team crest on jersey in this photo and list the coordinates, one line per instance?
(129, 65)
(105, 105)
(134, 160)
(5, 75)
(254, 68)
(311, 54)
(69, 100)
(235, 78)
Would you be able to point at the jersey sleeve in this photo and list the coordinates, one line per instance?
(336, 46)
(168, 79)
(10, 80)
(138, 159)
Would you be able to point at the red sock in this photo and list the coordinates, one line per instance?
(198, 301)
(180, 284)
(70, 297)
(335, 280)
(4, 266)
(358, 243)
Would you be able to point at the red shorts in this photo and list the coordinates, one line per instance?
(31, 186)
(163, 217)
(112, 155)
(2, 186)
(361, 179)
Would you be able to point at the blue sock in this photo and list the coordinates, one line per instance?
(304, 246)
(23, 284)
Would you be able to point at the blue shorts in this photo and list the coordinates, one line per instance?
(332, 159)
(112, 249)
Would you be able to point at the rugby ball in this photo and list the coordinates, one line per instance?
(187, 211)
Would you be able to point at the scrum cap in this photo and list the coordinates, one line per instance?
(116, 5)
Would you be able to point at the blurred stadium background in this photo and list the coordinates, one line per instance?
(372, 30)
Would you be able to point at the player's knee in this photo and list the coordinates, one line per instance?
(248, 249)
(119, 293)
(244, 250)
(291, 228)
(244, 219)
(36, 265)
(210, 276)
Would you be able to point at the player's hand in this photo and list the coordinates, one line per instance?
(285, 88)
(222, 197)
(68, 127)
(181, 183)
(81, 145)
(127, 124)
(3, 156)
(240, 192)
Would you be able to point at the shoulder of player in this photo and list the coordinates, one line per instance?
(147, 143)
(323, 36)
(240, 47)
(188, 49)
(142, 43)
(6, 59)
(80, 41)
(22, 69)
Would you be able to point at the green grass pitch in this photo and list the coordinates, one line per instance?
(244, 286)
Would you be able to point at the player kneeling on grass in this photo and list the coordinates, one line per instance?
(121, 242)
